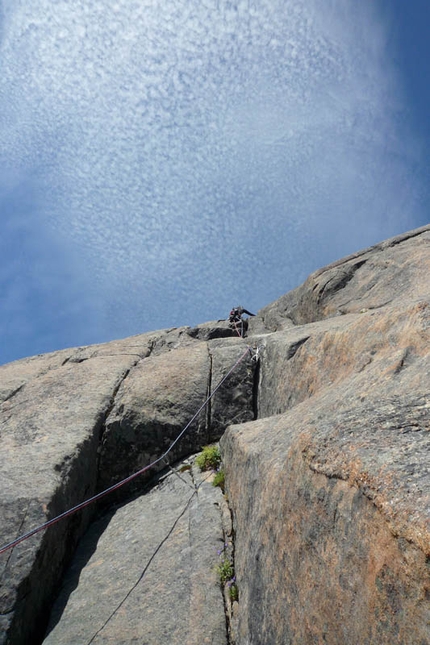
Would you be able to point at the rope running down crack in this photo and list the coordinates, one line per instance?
(121, 483)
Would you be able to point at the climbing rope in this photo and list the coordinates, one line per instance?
(254, 351)
(239, 332)
(121, 483)
(147, 565)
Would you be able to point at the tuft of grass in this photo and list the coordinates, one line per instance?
(219, 479)
(209, 458)
(233, 591)
(225, 570)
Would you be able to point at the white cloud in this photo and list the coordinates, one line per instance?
(197, 153)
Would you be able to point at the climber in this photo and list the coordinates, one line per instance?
(237, 312)
(236, 321)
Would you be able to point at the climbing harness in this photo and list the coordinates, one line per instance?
(237, 322)
(238, 327)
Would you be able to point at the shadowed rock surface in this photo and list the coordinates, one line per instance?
(50, 431)
(327, 463)
(146, 573)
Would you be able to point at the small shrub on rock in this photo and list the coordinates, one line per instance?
(233, 590)
(219, 479)
(225, 570)
(209, 458)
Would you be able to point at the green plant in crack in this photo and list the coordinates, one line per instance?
(219, 479)
(225, 570)
(209, 458)
(233, 590)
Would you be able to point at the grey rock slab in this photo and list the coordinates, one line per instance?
(301, 361)
(151, 408)
(146, 574)
(291, 364)
(233, 402)
(211, 330)
(389, 272)
(48, 462)
(331, 490)
(34, 445)
(74, 422)
(330, 506)
(13, 376)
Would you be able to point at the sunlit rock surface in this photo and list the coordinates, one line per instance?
(326, 456)
(330, 487)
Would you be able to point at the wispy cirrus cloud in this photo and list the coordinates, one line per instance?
(186, 156)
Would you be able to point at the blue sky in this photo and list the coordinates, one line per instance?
(162, 160)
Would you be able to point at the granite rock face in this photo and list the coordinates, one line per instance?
(330, 487)
(327, 472)
(147, 571)
(76, 421)
(50, 431)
